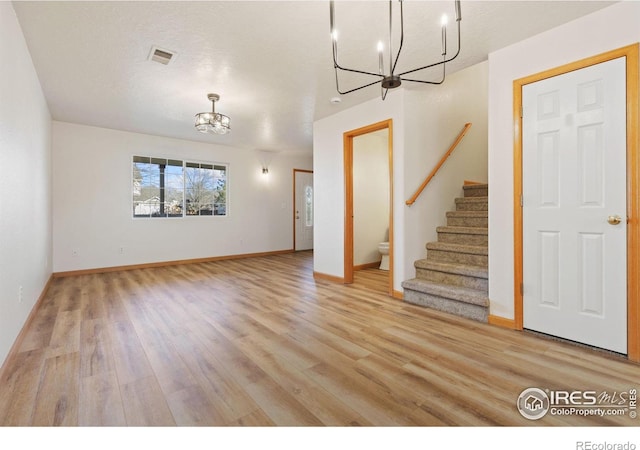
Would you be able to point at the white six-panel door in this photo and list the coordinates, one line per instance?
(574, 191)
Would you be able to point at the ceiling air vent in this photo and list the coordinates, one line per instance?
(161, 56)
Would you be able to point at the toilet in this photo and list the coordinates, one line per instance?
(383, 248)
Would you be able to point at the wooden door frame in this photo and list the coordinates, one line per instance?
(294, 203)
(633, 186)
(348, 197)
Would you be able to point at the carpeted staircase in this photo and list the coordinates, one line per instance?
(454, 277)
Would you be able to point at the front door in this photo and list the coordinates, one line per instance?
(303, 210)
(574, 206)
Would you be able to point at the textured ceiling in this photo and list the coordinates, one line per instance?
(270, 61)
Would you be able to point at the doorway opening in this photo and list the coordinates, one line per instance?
(368, 165)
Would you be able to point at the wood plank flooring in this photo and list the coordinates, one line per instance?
(259, 342)
(372, 279)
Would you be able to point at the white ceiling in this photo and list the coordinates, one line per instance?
(270, 61)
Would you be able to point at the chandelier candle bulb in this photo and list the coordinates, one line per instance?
(334, 32)
(332, 20)
(391, 64)
(444, 34)
(380, 62)
(334, 41)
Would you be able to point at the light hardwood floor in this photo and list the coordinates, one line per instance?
(258, 342)
(372, 279)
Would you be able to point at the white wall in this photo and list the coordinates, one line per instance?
(370, 195)
(92, 202)
(25, 184)
(425, 123)
(604, 30)
(434, 118)
(328, 168)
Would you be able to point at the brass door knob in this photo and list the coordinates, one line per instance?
(614, 220)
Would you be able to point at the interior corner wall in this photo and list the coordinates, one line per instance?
(434, 117)
(604, 30)
(93, 227)
(328, 167)
(25, 184)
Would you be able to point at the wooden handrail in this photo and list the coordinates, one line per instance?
(426, 181)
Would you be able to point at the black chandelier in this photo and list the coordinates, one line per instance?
(391, 79)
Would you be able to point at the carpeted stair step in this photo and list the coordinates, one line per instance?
(468, 219)
(454, 276)
(473, 277)
(465, 302)
(472, 204)
(464, 235)
(476, 190)
(472, 255)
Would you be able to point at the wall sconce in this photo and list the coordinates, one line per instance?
(265, 157)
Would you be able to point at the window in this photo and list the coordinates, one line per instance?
(308, 200)
(205, 189)
(173, 188)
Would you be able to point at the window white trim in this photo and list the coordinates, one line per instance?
(154, 195)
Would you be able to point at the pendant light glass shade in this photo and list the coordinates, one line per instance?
(213, 122)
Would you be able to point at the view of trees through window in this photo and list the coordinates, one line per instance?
(173, 188)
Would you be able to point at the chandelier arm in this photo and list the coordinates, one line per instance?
(359, 71)
(439, 62)
(337, 83)
(423, 81)
(334, 46)
(392, 80)
(337, 66)
(354, 89)
(383, 92)
(444, 74)
(393, 69)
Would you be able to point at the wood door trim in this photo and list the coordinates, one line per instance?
(633, 204)
(370, 265)
(293, 209)
(327, 277)
(348, 197)
(502, 322)
(633, 186)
